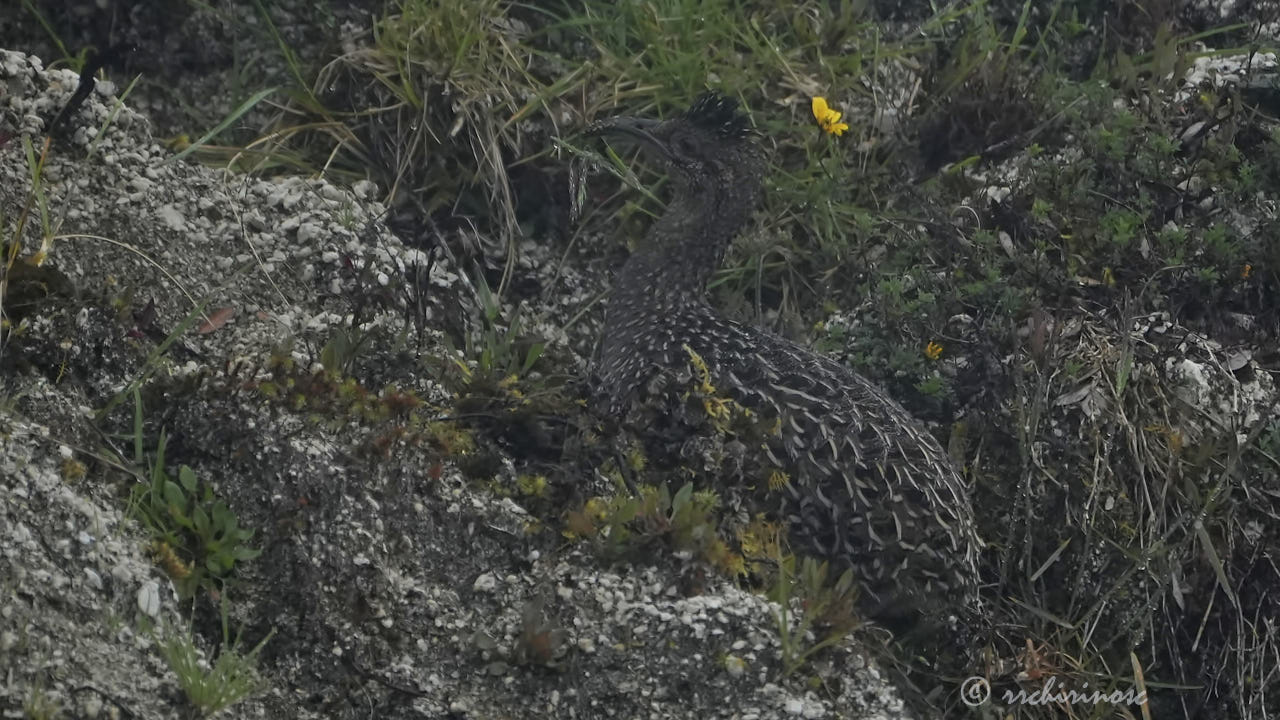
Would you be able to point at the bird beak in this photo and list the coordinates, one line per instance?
(637, 129)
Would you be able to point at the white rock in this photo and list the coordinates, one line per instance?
(487, 582)
(172, 217)
(149, 599)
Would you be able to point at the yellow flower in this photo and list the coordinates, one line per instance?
(778, 480)
(933, 351)
(828, 119)
(1246, 271)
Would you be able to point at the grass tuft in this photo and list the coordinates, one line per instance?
(213, 686)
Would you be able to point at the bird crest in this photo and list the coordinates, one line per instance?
(718, 114)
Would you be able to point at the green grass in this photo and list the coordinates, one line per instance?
(75, 62)
(827, 611)
(39, 706)
(500, 353)
(216, 684)
(13, 264)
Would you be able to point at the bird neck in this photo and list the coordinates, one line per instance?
(687, 244)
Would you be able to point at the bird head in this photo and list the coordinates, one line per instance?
(707, 146)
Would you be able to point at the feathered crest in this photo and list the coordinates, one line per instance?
(718, 114)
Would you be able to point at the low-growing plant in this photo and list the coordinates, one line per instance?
(827, 609)
(38, 705)
(214, 686)
(196, 537)
(627, 522)
(22, 276)
(498, 351)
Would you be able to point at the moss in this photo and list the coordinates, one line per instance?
(73, 469)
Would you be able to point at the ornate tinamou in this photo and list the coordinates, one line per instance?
(871, 488)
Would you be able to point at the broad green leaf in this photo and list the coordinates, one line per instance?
(682, 498)
(200, 519)
(174, 497)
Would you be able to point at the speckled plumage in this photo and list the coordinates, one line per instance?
(871, 488)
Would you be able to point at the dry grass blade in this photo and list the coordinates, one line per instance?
(1141, 683)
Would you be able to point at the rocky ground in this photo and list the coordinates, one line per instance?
(393, 587)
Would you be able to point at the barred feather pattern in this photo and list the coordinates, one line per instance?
(871, 488)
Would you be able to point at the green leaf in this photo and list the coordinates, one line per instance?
(664, 498)
(187, 477)
(138, 458)
(535, 352)
(245, 553)
(157, 469)
(487, 301)
(681, 499)
(200, 519)
(173, 495)
(626, 512)
(845, 583)
(221, 516)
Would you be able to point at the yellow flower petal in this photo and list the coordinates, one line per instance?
(820, 109)
(828, 119)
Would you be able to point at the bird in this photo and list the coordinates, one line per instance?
(870, 488)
